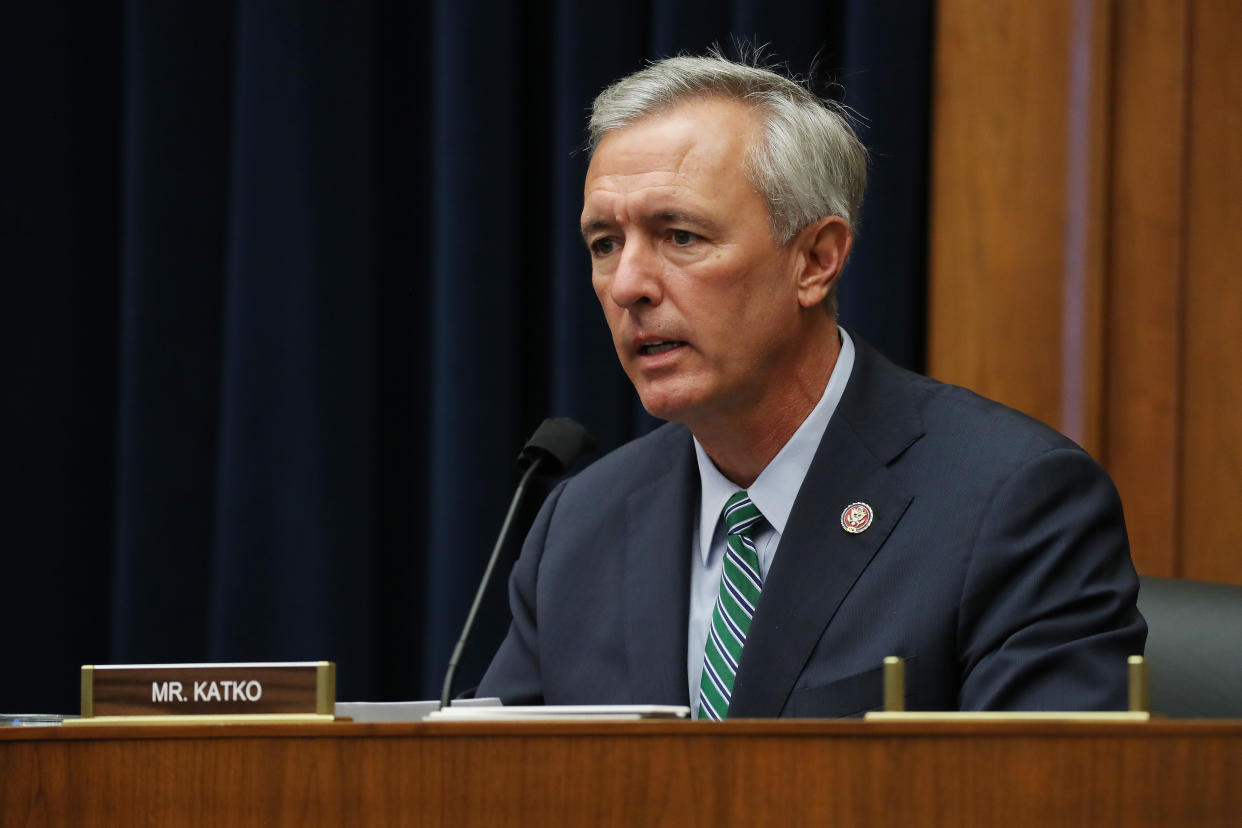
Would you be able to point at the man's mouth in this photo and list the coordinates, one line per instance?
(653, 348)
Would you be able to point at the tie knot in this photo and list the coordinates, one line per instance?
(741, 514)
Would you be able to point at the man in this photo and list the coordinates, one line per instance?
(811, 508)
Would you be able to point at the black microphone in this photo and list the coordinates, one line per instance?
(549, 452)
(558, 442)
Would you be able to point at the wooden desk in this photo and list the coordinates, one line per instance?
(626, 774)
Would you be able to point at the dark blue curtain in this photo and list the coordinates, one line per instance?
(290, 283)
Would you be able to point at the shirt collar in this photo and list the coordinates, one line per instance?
(774, 491)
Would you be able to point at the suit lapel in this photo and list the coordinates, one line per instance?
(818, 562)
(659, 530)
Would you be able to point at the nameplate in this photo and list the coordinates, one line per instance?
(172, 693)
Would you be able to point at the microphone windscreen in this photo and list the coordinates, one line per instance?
(560, 441)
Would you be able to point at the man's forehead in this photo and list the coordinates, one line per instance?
(696, 131)
(650, 157)
(691, 153)
(656, 197)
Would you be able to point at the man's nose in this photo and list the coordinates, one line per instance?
(636, 280)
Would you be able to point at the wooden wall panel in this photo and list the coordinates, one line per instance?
(1101, 297)
(998, 199)
(1146, 267)
(1211, 520)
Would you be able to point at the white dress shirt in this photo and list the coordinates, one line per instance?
(773, 492)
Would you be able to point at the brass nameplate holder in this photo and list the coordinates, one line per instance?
(895, 703)
(297, 691)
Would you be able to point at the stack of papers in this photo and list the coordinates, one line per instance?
(564, 713)
(32, 719)
(406, 711)
(490, 710)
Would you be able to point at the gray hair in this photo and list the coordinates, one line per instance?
(807, 165)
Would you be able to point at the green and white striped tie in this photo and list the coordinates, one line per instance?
(740, 584)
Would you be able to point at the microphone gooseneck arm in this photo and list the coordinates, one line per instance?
(514, 504)
(550, 452)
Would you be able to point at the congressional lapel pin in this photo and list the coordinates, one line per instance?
(856, 518)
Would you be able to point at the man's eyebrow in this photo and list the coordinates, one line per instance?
(660, 217)
(593, 225)
(678, 217)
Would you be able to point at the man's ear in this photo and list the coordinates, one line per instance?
(822, 250)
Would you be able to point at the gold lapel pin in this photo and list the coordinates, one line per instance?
(857, 518)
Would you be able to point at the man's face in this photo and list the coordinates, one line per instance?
(702, 304)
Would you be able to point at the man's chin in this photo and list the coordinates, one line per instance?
(683, 397)
(675, 408)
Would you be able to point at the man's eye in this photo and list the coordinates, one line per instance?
(683, 238)
(604, 246)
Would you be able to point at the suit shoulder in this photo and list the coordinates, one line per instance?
(642, 458)
(961, 410)
(981, 439)
(893, 400)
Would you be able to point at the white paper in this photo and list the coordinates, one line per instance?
(543, 713)
(406, 711)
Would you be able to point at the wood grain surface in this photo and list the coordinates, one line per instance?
(998, 199)
(1147, 250)
(1211, 516)
(626, 774)
(1103, 299)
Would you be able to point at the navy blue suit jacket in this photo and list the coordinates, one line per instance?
(997, 564)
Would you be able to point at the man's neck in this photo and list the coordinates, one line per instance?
(744, 443)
